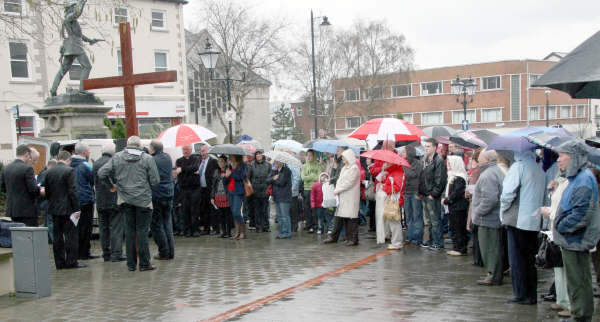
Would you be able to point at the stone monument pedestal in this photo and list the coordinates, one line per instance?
(73, 116)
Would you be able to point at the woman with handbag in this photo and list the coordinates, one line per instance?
(347, 188)
(219, 200)
(234, 181)
(393, 185)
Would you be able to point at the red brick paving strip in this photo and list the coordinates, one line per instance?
(249, 307)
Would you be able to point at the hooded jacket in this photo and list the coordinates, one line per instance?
(577, 222)
(135, 174)
(85, 180)
(282, 186)
(316, 193)
(310, 173)
(486, 196)
(348, 187)
(413, 174)
(434, 177)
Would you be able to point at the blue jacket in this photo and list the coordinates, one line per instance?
(296, 179)
(85, 180)
(282, 187)
(164, 164)
(523, 193)
(238, 175)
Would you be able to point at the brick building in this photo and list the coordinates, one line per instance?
(503, 100)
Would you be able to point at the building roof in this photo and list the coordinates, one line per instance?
(557, 54)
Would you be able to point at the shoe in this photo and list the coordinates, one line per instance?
(486, 283)
(319, 232)
(251, 227)
(565, 313)
(107, 259)
(203, 233)
(351, 243)
(267, 230)
(436, 248)
(160, 258)
(120, 259)
(393, 247)
(78, 265)
(425, 245)
(149, 268)
(556, 307)
(329, 241)
(92, 256)
(549, 298)
(310, 231)
(131, 269)
(514, 300)
(196, 234)
(528, 302)
(454, 253)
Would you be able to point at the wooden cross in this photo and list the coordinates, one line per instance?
(129, 80)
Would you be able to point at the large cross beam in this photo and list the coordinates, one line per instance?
(129, 80)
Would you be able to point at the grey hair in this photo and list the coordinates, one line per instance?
(134, 141)
(34, 151)
(80, 148)
(490, 155)
(156, 145)
(109, 148)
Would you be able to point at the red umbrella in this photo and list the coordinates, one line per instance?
(386, 156)
(388, 129)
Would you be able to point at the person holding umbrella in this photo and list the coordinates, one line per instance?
(234, 181)
(219, 200)
(281, 178)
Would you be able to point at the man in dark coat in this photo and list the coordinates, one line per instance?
(18, 182)
(206, 171)
(85, 193)
(162, 203)
(62, 205)
(260, 170)
(110, 219)
(189, 182)
(413, 210)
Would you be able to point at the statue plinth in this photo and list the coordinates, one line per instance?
(74, 115)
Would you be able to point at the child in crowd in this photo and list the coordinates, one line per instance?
(316, 202)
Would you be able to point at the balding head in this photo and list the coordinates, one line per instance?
(134, 141)
(82, 149)
(109, 148)
(487, 156)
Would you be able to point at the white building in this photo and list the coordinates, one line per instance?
(29, 65)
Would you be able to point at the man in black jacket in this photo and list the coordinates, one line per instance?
(189, 181)
(62, 205)
(162, 203)
(206, 171)
(110, 219)
(431, 188)
(18, 182)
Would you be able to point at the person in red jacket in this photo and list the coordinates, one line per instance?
(393, 185)
(383, 230)
(316, 203)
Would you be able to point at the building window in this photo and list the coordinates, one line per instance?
(432, 118)
(352, 95)
(160, 61)
(408, 117)
(27, 125)
(431, 88)
(121, 15)
(402, 90)
(580, 110)
(119, 63)
(533, 78)
(458, 116)
(373, 93)
(75, 71)
(352, 122)
(488, 83)
(158, 19)
(552, 112)
(18, 60)
(565, 112)
(298, 110)
(312, 134)
(534, 113)
(490, 115)
(13, 6)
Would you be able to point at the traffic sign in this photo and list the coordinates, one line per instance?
(230, 116)
(465, 125)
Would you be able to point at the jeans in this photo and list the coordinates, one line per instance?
(321, 225)
(363, 210)
(137, 227)
(85, 230)
(413, 212)
(432, 211)
(522, 248)
(329, 222)
(162, 226)
(283, 217)
(177, 215)
(235, 203)
(112, 225)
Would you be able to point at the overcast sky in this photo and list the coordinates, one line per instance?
(446, 33)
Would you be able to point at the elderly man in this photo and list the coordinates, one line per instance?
(110, 219)
(85, 193)
(162, 203)
(576, 226)
(134, 173)
(522, 196)
(18, 182)
(206, 172)
(189, 183)
(486, 215)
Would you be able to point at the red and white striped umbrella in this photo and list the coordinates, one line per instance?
(388, 129)
(183, 134)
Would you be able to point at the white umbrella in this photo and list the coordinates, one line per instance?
(284, 157)
(291, 145)
(183, 134)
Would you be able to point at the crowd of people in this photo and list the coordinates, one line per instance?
(496, 201)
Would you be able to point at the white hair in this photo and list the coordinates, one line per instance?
(80, 148)
(134, 141)
(109, 148)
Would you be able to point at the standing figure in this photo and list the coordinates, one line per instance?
(85, 194)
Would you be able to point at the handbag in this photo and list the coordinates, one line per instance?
(248, 188)
(391, 208)
(329, 198)
(370, 191)
(269, 191)
(549, 254)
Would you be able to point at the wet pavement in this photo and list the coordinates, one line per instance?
(210, 275)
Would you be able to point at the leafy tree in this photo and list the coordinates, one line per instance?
(283, 126)
(399, 115)
(116, 127)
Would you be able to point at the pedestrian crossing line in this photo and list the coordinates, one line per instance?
(254, 305)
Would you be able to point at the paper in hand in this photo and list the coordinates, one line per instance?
(75, 217)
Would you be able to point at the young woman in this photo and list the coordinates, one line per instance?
(234, 183)
(281, 178)
(458, 205)
(394, 185)
(219, 198)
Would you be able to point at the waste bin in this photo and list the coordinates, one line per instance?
(31, 260)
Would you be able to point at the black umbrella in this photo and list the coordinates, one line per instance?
(578, 73)
(437, 131)
(228, 149)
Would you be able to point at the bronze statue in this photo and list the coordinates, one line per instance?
(72, 47)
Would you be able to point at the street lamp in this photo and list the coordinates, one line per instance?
(464, 87)
(209, 60)
(547, 107)
(324, 23)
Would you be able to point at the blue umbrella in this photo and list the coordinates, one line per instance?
(551, 141)
(517, 140)
(244, 137)
(331, 146)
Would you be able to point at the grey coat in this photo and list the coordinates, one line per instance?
(486, 197)
(104, 198)
(135, 174)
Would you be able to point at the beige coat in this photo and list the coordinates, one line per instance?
(348, 187)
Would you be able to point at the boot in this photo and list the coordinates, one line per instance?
(236, 234)
(242, 231)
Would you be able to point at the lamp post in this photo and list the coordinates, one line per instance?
(464, 87)
(324, 23)
(547, 107)
(209, 60)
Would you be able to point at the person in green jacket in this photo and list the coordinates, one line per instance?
(310, 174)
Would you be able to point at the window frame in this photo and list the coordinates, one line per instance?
(484, 110)
(483, 79)
(369, 91)
(21, 4)
(423, 122)
(461, 113)
(166, 53)
(409, 86)
(349, 118)
(552, 116)
(412, 117)
(298, 111)
(352, 89)
(583, 106)
(529, 82)
(115, 22)
(428, 94)
(26, 60)
(568, 108)
(164, 20)
(538, 111)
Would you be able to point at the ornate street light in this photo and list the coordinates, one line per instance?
(209, 60)
(547, 92)
(464, 87)
(324, 23)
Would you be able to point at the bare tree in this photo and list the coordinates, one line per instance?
(249, 45)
